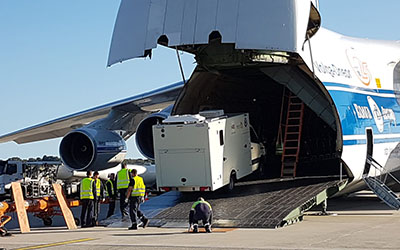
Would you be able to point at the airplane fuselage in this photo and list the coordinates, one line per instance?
(360, 76)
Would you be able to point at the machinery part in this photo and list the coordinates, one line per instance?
(35, 177)
(144, 131)
(3, 221)
(4, 232)
(47, 221)
(92, 149)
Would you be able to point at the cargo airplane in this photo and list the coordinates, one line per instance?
(260, 57)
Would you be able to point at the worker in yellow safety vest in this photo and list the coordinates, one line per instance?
(123, 180)
(87, 188)
(135, 195)
(201, 211)
(111, 194)
(98, 196)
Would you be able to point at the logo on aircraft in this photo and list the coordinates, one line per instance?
(372, 111)
(376, 113)
(332, 70)
(359, 67)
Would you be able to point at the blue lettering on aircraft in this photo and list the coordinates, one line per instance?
(361, 108)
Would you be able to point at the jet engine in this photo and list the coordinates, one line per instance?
(144, 131)
(92, 149)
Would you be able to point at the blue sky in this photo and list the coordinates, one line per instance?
(54, 53)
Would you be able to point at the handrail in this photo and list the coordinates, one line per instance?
(373, 162)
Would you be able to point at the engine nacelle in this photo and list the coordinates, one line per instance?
(144, 131)
(92, 149)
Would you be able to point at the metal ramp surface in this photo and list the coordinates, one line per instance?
(257, 204)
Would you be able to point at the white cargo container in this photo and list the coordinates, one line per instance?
(202, 152)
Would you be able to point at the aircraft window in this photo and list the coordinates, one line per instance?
(11, 169)
(221, 137)
(396, 82)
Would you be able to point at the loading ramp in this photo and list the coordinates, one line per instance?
(256, 204)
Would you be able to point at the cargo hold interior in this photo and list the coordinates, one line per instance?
(251, 90)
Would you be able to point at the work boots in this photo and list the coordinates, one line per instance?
(145, 222)
(208, 228)
(133, 227)
(195, 228)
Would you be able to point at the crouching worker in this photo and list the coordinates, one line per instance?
(201, 210)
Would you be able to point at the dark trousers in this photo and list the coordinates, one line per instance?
(111, 207)
(96, 211)
(204, 217)
(86, 213)
(122, 204)
(134, 209)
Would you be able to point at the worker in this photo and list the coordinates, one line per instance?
(87, 188)
(123, 179)
(201, 210)
(98, 197)
(135, 195)
(111, 194)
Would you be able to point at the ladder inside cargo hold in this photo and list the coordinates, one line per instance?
(292, 136)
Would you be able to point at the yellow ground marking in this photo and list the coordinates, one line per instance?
(56, 244)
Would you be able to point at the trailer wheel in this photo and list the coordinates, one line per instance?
(261, 166)
(47, 221)
(4, 232)
(77, 221)
(232, 180)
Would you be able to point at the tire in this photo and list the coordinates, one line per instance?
(47, 221)
(232, 180)
(261, 166)
(77, 221)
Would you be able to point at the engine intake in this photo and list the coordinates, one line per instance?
(144, 131)
(92, 149)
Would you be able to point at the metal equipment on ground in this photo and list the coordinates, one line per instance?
(44, 208)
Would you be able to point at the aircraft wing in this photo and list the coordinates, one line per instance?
(128, 108)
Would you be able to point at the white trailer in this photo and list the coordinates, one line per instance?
(202, 152)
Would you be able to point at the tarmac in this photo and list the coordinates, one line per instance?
(360, 221)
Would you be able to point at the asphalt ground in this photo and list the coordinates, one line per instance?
(357, 222)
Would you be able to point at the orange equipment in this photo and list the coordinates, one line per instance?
(44, 208)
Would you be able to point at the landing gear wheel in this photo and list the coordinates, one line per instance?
(77, 221)
(47, 221)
